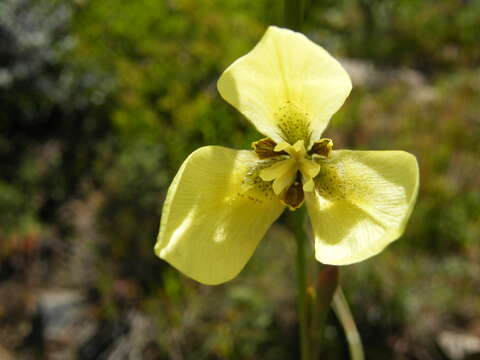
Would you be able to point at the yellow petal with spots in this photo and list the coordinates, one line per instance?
(362, 203)
(210, 226)
(287, 86)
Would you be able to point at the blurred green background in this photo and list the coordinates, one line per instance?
(101, 101)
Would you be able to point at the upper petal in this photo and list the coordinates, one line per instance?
(362, 203)
(210, 224)
(287, 86)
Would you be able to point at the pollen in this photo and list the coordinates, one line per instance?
(293, 123)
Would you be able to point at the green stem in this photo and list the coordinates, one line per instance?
(293, 18)
(301, 263)
(293, 12)
(344, 315)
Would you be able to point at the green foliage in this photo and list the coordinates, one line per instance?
(427, 35)
(48, 133)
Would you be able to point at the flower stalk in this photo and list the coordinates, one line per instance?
(312, 311)
(293, 13)
(298, 219)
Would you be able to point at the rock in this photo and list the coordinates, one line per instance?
(65, 322)
(458, 345)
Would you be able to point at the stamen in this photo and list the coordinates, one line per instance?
(265, 148)
(322, 147)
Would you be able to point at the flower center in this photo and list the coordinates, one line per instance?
(286, 171)
(289, 169)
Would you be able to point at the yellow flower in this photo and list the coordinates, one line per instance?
(222, 201)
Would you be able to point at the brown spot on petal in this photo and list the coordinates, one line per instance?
(265, 148)
(293, 197)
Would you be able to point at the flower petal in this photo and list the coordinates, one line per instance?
(362, 203)
(277, 169)
(287, 86)
(210, 226)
